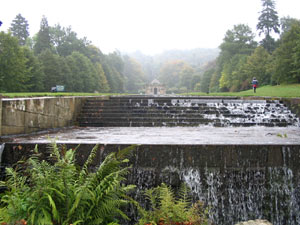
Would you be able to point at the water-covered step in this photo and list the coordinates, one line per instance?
(171, 111)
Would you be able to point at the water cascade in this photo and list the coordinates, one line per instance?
(238, 181)
(176, 111)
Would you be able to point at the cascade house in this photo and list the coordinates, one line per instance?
(155, 88)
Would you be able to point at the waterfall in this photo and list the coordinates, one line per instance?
(1, 151)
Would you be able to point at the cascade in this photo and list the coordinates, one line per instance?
(257, 177)
(158, 111)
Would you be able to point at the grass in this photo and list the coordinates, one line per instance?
(292, 90)
(42, 94)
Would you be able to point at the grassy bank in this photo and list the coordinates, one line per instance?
(292, 90)
(43, 94)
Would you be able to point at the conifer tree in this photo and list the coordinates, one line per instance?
(20, 29)
(268, 22)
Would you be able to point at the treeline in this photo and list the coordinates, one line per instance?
(56, 56)
(240, 58)
(179, 70)
(271, 61)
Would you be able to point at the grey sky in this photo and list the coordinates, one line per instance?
(147, 25)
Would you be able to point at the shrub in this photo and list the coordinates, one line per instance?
(61, 193)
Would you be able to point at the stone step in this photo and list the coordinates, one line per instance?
(184, 111)
(180, 120)
(172, 124)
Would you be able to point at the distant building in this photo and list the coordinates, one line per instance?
(155, 88)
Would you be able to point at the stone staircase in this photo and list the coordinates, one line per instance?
(150, 111)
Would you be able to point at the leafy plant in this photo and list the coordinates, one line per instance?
(56, 191)
(167, 209)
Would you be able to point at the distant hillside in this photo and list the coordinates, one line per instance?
(197, 58)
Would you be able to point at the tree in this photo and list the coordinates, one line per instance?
(51, 68)
(285, 65)
(113, 66)
(101, 81)
(83, 73)
(43, 40)
(134, 76)
(13, 70)
(19, 28)
(257, 66)
(35, 72)
(65, 41)
(171, 74)
(205, 80)
(268, 22)
(238, 43)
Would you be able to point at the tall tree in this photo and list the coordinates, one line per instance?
(20, 29)
(65, 41)
(257, 66)
(13, 70)
(51, 68)
(170, 74)
(134, 75)
(43, 40)
(101, 81)
(237, 43)
(268, 22)
(285, 67)
(35, 72)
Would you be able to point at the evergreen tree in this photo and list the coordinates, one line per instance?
(43, 40)
(268, 22)
(20, 29)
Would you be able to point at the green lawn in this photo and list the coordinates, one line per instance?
(41, 94)
(292, 90)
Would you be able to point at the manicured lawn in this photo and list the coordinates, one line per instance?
(292, 90)
(41, 94)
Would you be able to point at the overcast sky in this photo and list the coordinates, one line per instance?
(150, 26)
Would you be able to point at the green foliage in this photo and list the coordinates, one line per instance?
(167, 209)
(13, 68)
(286, 58)
(268, 22)
(176, 75)
(237, 44)
(35, 73)
(52, 69)
(57, 192)
(19, 28)
(43, 40)
(134, 75)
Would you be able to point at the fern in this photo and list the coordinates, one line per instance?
(57, 192)
(166, 209)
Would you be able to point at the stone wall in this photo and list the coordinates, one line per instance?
(27, 115)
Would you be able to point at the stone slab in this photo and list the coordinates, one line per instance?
(203, 135)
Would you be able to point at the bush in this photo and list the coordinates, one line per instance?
(60, 193)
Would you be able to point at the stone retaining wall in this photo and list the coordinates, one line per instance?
(27, 115)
